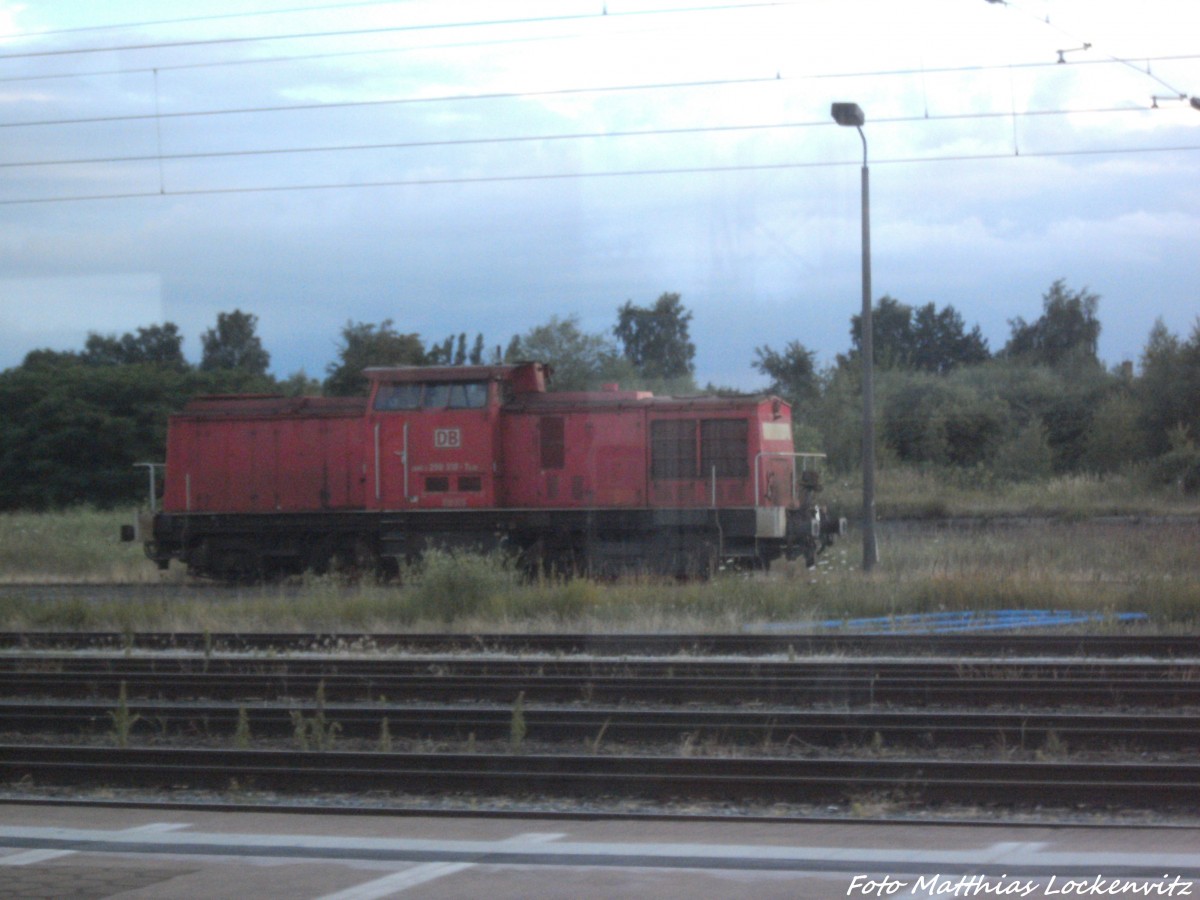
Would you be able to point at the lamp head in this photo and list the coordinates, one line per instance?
(849, 114)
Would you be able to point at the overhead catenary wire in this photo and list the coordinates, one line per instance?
(1088, 45)
(191, 20)
(394, 29)
(159, 116)
(549, 137)
(773, 78)
(622, 173)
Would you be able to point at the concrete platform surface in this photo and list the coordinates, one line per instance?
(62, 852)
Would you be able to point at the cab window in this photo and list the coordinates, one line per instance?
(456, 395)
(398, 396)
(468, 395)
(437, 396)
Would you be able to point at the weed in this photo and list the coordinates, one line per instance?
(315, 732)
(299, 729)
(123, 720)
(241, 733)
(385, 736)
(1053, 747)
(600, 735)
(516, 728)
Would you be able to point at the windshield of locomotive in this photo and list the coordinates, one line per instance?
(436, 395)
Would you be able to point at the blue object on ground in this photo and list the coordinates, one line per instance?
(958, 622)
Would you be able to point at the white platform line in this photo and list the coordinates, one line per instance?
(32, 857)
(426, 872)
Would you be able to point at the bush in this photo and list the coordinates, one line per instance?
(449, 585)
(1026, 456)
(936, 420)
(1114, 441)
(1180, 465)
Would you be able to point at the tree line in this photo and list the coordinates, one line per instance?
(1042, 405)
(74, 423)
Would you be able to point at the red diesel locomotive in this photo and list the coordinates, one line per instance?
(482, 457)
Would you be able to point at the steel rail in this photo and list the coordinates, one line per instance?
(849, 690)
(802, 644)
(608, 725)
(659, 777)
(474, 665)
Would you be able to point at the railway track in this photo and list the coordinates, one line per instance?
(735, 729)
(703, 724)
(851, 683)
(1022, 646)
(573, 775)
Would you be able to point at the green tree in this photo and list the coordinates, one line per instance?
(158, 345)
(453, 352)
(1063, 399)
(580, 361)
(364, 345)
(793, 375)
(940, 341)
(1025, 456)
(1168, 391)
(71, 432)
(924, 339)
(233, 344)
(1067, 331)
(839, 417)
(929, 419)
(891, 323)
(1114, 439)
(440, 354)
(298, 384)
(655, 339)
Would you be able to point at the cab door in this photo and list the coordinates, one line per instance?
(434, 445)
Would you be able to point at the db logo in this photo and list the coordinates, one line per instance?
(447, 438)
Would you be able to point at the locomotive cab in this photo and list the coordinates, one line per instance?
(433, 435)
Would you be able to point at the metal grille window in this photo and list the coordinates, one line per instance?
(723, 447)
(673, 448)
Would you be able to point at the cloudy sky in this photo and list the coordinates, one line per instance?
(483, 166)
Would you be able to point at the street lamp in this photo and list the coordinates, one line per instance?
(851, 116)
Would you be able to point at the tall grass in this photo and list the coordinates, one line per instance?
(80, 545)
(1103, 566)
(914, 492)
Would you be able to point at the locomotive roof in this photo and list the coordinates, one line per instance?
(254, 405)
(440, 373)
(568, 400)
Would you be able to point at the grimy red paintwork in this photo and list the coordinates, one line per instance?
(482, 456)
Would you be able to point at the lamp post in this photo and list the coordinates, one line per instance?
(851, 115)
